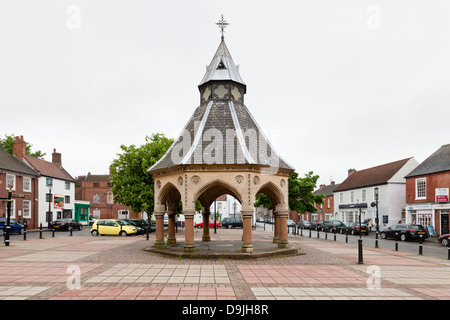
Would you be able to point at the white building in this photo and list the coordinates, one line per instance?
(357, 193)
(56, 180)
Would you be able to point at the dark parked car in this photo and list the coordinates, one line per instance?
(14, 226)
(65, 224)
(405, 232)
(332, 226)
(305, 224)
(290, 223)
(232, 223)
(444, 239)
(353, 228)
(129, 222)
(143, 224)
(316, 225)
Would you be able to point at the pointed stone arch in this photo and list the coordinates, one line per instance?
(280, 211)
(215, 188)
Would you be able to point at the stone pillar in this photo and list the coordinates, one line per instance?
(283, 229)
(159, 242)
(247, 245)
(206, 236)
(171, 239)
(276, 232)
(189, 245)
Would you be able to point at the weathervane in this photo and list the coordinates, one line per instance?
(222, 25)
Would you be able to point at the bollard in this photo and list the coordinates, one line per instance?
(70, 228)
(301, 231)
(53, 233)
(420, 245)
(376, 239)
(334, 235)
(25, 232)
(346, 236)
(146, 231)
(326, 234)
(310, 232)
(318, 233)
(40, 231)
(448, 254)
(360, 252)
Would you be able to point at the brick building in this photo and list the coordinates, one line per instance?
(324, 211)
(24, 182)
(98, 190)
(427, 192)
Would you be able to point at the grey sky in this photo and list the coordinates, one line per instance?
(333, 84)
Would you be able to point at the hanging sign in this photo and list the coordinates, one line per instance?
(58, 202)
(442, 195)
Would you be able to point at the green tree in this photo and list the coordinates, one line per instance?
(301, 194)
(7, 144)
(132, 185)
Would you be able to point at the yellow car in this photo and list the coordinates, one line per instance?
(112, 227)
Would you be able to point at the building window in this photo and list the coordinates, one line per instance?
(363, 195)
(352, 196)
(421, 188)
(11, 181)
(96, 199)
(66, 199)
(328, 203)
(13, 206)
(341, 197)
(109, 198)
(96, 184)
(26, 184)
(122, 214)
(67, 185)
(26, 208)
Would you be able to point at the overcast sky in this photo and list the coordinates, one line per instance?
(334, 84)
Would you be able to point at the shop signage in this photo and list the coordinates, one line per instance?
(442, 195)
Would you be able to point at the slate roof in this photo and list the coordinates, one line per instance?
(327, 190)
(97, 177)
(11, 163)
(439, 161)
(217, 117)
(48, 169)
(373, 176)
(222, 67)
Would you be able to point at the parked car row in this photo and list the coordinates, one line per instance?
(401, 232)
(15, 227)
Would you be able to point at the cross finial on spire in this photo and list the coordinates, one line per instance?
(222, 25)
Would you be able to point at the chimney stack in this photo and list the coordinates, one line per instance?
(19, 148)
(350, 171)
(333, 183)
(56, 158)
(322, 186)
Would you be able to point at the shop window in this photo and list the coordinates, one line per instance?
(421, 188)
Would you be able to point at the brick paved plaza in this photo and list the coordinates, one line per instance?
(115, 268)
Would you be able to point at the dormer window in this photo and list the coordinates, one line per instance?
(221, 66)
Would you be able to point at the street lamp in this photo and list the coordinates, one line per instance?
(376, 194)
(49, 200)
(8, 213)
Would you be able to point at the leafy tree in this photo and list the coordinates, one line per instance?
(132, 185)
(7, 144)
(301, 194)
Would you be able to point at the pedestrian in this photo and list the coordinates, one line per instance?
(370, 225)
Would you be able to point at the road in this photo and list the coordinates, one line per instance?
(430, 247)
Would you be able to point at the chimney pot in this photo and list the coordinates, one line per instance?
(56, 158)
(19, 148)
